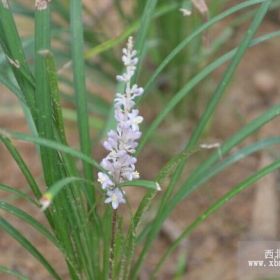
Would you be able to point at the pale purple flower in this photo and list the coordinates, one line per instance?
(134, 119)
(112, 141)
(122, 101)
(125, 77)
(104, 180)
(136, 91)
(122, 142)
(115, 197)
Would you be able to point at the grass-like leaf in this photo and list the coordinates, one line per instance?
(11, 45)
(187, 89)
(12, 272)
(216, 206)
(183, 191)
(55, 146)
(6, 226)
(150, 185)
(196, 33)
(79, 82)
(23, 216)
(18, 194)
(22, 166)
(57, 187)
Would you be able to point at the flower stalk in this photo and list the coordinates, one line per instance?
(112, 246)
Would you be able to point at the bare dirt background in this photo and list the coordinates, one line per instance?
(211, 249)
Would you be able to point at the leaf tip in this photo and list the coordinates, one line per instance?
(45, 201)
(185, 12)
(158, 187)
(4, 134)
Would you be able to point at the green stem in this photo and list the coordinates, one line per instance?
(112, 247)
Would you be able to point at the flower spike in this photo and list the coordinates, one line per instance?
(122, 142)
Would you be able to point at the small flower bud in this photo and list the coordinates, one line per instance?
(45, 201)
(158, 187)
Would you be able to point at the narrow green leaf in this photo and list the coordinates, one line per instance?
(44, 120)
(192, 181)
(12, 47)
(54, 189)
(111, 42)
(18, 193)
(77, 47)
(54, 93)
(6, 81)
(181, 194)
(119, 247)
(53, 145)
(6, 226)
(107, 229)
(129, 247)
(196, 33)
(12, 272)
(130, 242)
(30, 220)
(107, 45)
(187, 89)
(71, 115)
(22, 165)
(216, 206)
(145, 25)
(150, 185)
(228, 74)
(230, 160)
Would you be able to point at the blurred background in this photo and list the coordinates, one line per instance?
(210, 252)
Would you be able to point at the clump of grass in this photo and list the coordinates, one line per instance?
(89, 234)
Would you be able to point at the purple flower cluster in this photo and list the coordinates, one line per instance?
(122, 142)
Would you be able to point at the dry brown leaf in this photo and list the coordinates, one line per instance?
(201, 6)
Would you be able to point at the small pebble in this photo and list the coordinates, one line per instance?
(264, 81)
